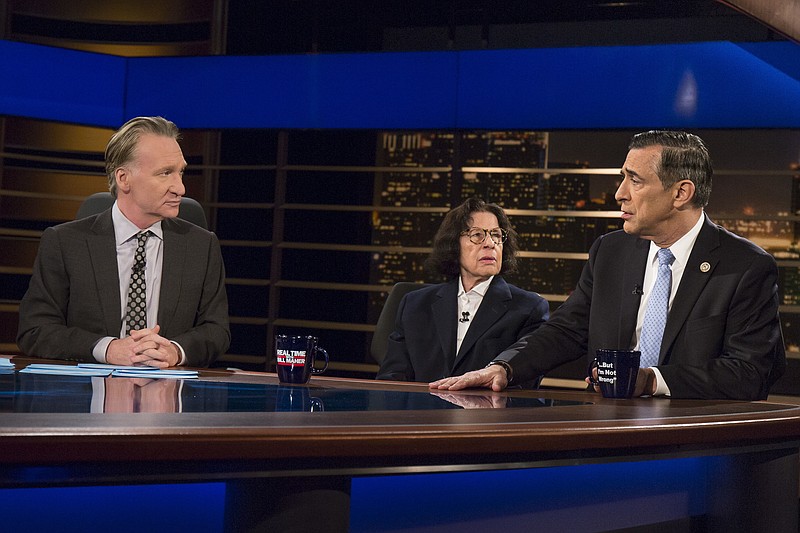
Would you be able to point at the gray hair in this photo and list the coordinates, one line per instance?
(121, 147)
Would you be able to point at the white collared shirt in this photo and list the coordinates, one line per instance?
(125, 233)
(681, 249)
(469, 302)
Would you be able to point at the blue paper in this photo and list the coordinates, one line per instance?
(105, 366)
(64, 370)
(156, 374)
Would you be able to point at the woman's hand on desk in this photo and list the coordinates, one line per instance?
(491, 377)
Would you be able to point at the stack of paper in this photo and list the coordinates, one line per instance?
(64, 370)
(142, 371)
(103, 370)
(156, 373)
(6, 366)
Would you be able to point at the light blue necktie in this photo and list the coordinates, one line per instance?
(655, 318)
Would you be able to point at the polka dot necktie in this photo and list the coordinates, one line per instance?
(136, 310)
(655, 318)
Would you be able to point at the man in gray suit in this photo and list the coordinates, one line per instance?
(721, 331)
(77, 305)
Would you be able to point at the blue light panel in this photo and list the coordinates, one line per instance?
(414, 90)
(705, 85)
(61, 85)
(592, 497)
(121, 509)
(701, 85)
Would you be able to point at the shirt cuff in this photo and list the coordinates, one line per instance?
(661, 386)
(181, 353)
(100, 349)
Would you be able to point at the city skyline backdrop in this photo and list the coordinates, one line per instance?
(555, 274)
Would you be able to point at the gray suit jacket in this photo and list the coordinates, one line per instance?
(423, 345)
(73, 297)
(722, 338)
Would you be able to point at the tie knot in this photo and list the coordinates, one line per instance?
(665, 257)
(143, 236)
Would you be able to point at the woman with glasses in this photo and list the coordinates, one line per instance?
(460, 325)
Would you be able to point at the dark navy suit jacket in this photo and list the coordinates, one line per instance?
(722, 338)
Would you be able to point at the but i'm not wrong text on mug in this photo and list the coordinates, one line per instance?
(616, 372)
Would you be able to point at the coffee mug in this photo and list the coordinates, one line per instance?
(295, 356)
(616, 372)
(297, 399)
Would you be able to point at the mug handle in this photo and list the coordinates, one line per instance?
(325, 353)
(316, 405)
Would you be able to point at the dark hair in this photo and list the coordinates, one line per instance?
(445, 257)
(684, 157)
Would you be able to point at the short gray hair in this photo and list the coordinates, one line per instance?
(121, 147)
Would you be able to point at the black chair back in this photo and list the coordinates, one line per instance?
(385, 325)
(190, 209)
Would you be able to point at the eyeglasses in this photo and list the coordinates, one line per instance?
(478, 235)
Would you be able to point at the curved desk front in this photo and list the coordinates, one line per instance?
(410, 458)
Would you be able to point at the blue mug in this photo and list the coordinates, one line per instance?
(297, 399)
(616, 372)
(295, 356)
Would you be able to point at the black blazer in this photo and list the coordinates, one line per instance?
(73, 296)
(722, 338)
(423, 345)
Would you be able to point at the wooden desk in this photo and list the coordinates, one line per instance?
(749, 449)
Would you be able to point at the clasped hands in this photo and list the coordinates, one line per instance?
(143, 347)
(137, 395)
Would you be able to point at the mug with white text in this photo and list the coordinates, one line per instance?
(616, 372)
(295, 355)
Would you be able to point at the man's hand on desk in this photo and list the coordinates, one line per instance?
(645, 382)
(488, 401)
(144, 346)
(491, 377)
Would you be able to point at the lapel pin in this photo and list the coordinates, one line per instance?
(705, 266)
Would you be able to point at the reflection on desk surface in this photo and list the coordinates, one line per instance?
(34, 393)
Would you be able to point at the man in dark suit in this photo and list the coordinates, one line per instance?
(77, 305)
(722, 337)
(457, 326)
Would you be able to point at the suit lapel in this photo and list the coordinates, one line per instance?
(493, 307)
(632, 282)
(444, 313)
(102, 246)
(692, 282)
(171, 268)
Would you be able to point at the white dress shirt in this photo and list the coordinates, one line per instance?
(125, 233)
(469, 302)
(681, 249)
